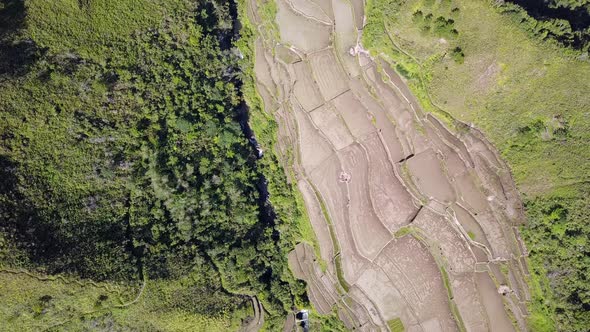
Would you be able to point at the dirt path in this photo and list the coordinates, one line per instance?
(257, 321)
(417, 222)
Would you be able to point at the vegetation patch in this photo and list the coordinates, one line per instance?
(128, 160)
(396, 325)
(403, 231)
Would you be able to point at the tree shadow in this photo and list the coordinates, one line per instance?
(578, 19)
(16, 53)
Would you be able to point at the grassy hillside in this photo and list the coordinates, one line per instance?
(125, 166)
(37, 303)
(481, 63)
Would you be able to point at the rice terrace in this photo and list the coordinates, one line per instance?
(294, 165)
(416, 221)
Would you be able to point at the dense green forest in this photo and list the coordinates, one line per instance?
(566, 21)
(125, 160)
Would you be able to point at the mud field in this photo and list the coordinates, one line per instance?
(416, 220)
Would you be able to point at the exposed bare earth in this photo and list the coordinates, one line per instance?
(415, 221)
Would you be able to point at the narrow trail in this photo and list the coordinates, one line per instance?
(257, 321)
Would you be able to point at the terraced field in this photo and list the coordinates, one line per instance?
(416, 218)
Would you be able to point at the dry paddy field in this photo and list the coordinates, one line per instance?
(416, 221)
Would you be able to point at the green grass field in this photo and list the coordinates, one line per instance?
(530, 97)
(32, 302)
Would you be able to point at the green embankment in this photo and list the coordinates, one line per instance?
(489, 65)
(396, 325)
